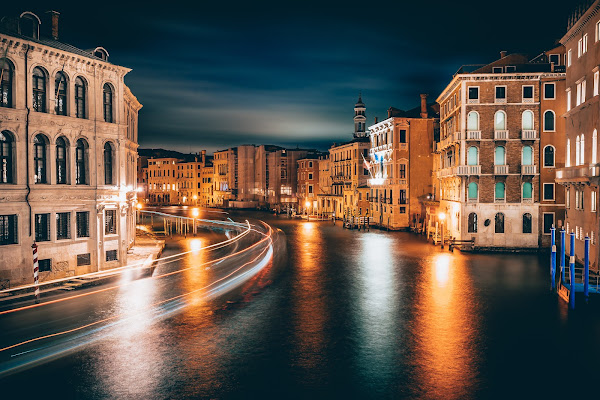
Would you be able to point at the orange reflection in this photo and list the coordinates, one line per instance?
(445, 328)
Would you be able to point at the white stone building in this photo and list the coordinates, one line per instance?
(68, 140)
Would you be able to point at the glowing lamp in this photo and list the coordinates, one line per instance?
(195, 213)
(442, 216)
(138, 206)
(195, 197)
(307, 204)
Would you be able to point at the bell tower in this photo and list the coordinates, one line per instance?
(360, 120)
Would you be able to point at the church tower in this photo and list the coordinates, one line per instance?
(360, 120)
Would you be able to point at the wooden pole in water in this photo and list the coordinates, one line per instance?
(586, 271)
(553, 258)
(562, 254)
(572, 272)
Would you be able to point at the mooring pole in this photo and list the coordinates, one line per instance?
(586, 271)
(553, 258)
(572, 272)
(562, 255)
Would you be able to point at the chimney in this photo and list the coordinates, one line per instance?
(54, 23)
(424, 113)
(503, 54)
(376, 120)
(203, 156)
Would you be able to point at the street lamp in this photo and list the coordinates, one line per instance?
(195, 214)
(139, 207)
(195, 198)
(307, 205)
(442, 217)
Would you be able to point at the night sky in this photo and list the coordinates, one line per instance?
(214, 75)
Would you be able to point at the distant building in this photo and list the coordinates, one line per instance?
(308, 184)
(68, 140)
(163, 181)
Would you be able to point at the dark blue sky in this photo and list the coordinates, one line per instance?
(218, 74)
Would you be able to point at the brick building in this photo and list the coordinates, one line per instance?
(308, 185)
(163, 181)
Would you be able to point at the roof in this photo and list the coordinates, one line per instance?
(433, 111)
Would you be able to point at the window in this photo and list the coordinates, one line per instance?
(555, 59)
(6, 83)
(39, 90)
(310, 188)
(39, 158)
(568, 154)
(402, 197)
(585, 43)
(472, 191)
(107, 102)
(596, 79)
(549, 119)
(108, 164)
(84, 259)
(580, 93)
(473, 94)
(499, 223)
(526, 223)
(110, 222)
(568, 99)
(402, 172)
(567, 198)
(569, 57)
(527, 120)
(549, 91)
(8, 229)
(6, 157)
(83, 223)
(60, 89)
(497, 70)
(499, 191)
(527, 94)
(593, 202)
(527, 191)
(80, 90)
(597, 31)
(582, 150)
(63, 226)
(45, 265)
(473, 121)
(499, 156)
(42, 227)
(577, 147)
(61, 160)
(579, 47)
(402, 135)
(548, 191)
(111, 255)
(527, 154)
(500, 94)
(472, 223)
(594, 146)
(310, 176)
(549, 156)
(80, 162)
(473, 156)
(500, 121)
(548, 222)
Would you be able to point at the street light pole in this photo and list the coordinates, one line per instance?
(195, 214)
(442, 217)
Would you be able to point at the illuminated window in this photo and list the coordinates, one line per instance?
(39, 158)
(107, 96)
(60, 88)
(39, 90)
(61, 160)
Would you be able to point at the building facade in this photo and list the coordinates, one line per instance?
(68, 134)
(308, 185)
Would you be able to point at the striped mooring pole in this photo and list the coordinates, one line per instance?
(553, 258)
(562, 255)
(572, 272)
(36, 270)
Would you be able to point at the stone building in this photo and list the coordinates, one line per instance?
(68, 140)
(163, 181)
(581, 174)
(223, 177)
(487, 163)
(308, 184)
(400, 165)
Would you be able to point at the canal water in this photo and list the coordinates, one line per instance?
(353, 314)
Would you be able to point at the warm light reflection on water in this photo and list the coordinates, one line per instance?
(445, 328)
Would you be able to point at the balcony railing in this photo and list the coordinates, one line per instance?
(581, 172)
(528, 134)
(473, 135)
(402, 182)
(528, 170)
(468, 170)
(501, 169)
(500, 135)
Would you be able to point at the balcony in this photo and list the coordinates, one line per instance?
(446, 172)
(447, 141)
(580, 173)
(402, 182)
(501, 169)
(528, 134)
(468, 170)
(527, 169)
(473, 135)
(500, 135)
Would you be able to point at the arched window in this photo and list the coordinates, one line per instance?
(499, 223)
(108, 164)
(499, 191)
(473, 156)
(549, 156)
(39, 90)
(60, 92)
(40, 144)
(549, 119)
(472, 191)
(568, 155)
(473, 121)
(582, 150)
(6, 83)
(6, 157)
(526, 223)
(500, 156)
(527, 155)
(80, 94)
(500, 121)
(108, 102)
(577, 147)
(595, 147)
(80, 162)
(29, 25)
(472, 228)
(61, 160)
(527, 191)
(527, 120)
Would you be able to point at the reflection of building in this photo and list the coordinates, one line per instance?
(67, 154)
(487, 163)
(581, 175)
(400, 165)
